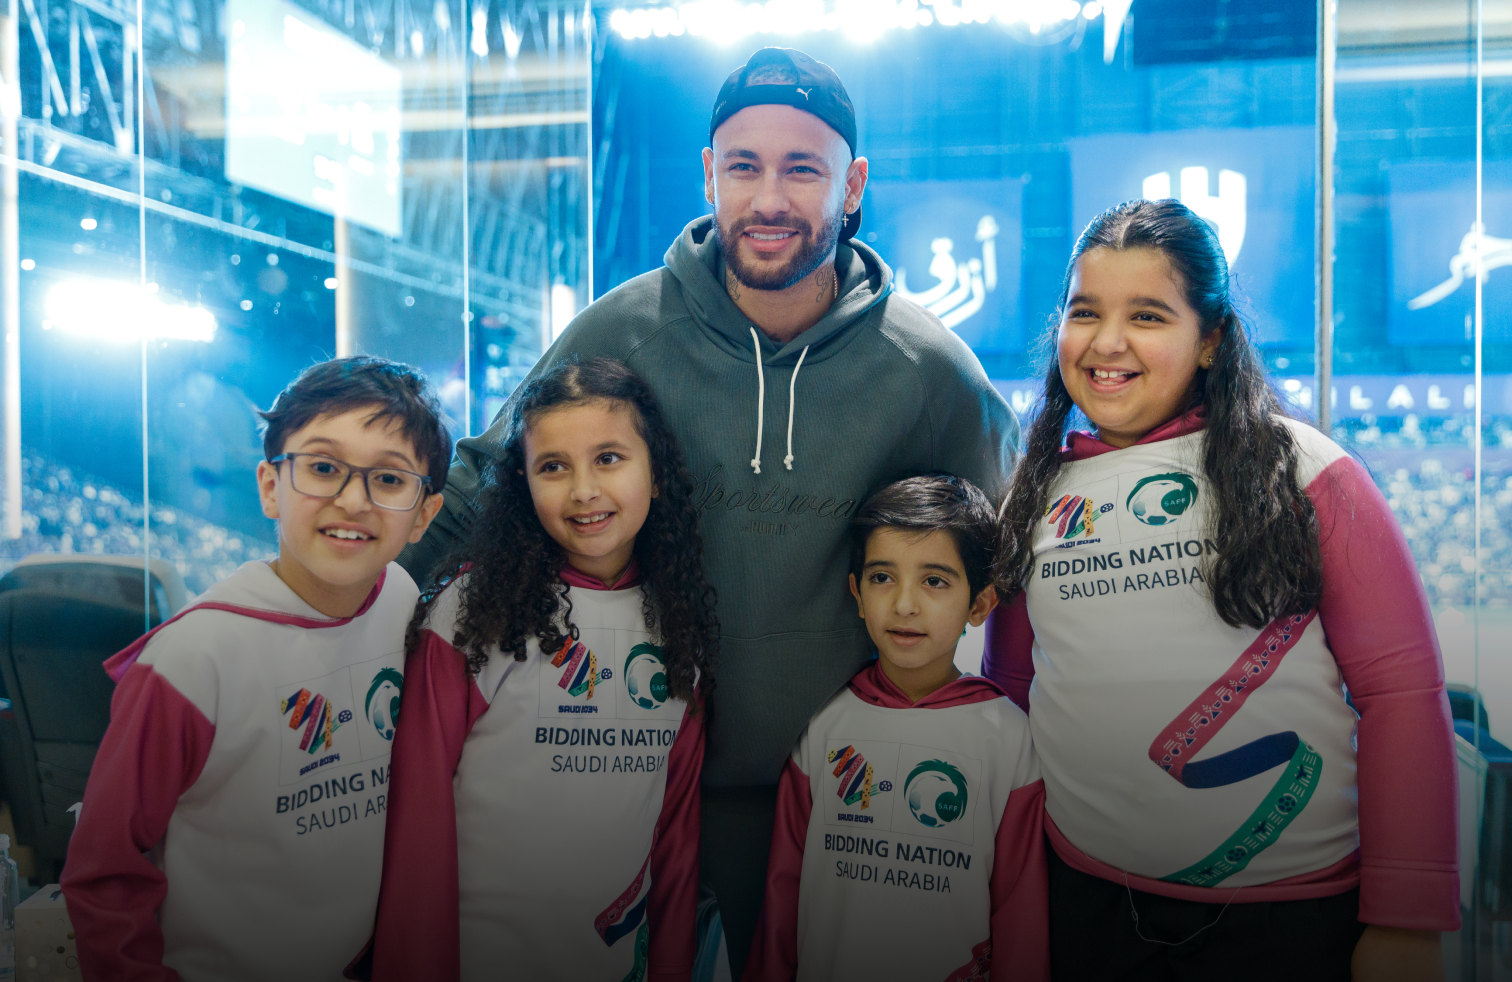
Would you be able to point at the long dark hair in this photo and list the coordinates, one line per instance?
(1268, 562)
(513, 591)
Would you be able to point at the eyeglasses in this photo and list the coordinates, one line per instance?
(320, 476)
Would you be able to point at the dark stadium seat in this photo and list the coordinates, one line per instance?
(60, 617)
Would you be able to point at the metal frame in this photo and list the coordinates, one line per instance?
(1328, 38)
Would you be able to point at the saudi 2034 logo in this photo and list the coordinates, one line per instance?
(1160, 499)
(580, 671)
(319, 718)
(1071, 516)
(382, 704)
(646, 676)
(936, 793)
(855, 774)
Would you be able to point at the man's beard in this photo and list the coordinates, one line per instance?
(812, 252)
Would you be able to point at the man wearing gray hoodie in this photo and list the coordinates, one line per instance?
(797, 384)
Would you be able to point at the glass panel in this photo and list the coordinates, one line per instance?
(70, 243)
(529, 196)
(1422, 361)
(302, 192)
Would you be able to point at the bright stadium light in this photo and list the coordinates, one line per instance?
(123, 312)
(725, 21)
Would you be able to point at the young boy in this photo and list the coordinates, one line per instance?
(249, 738)
(908, 842)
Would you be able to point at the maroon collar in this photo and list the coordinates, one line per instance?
(117, 664)
(629, 578)
(1080, 445)
(871, 685)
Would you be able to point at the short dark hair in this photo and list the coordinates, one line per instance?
(932, 503)
(397, 391)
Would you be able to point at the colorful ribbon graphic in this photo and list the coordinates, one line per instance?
(855, 776)
(1185, 736)
(582, 673)
(629, 908)
(1074, 513)
(313, 711)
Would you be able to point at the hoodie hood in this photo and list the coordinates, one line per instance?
(697, 263)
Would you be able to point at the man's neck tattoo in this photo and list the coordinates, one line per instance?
(828, 293)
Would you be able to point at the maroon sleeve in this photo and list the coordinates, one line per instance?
(672, 907)
(418, 931)
(1020, 890)
(153, 751)
(1008, 652)
(774, 955)
(1377, 624)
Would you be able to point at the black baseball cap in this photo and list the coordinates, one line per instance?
(788, 77)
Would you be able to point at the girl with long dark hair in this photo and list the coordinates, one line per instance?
(1201, 587)
(544, 806)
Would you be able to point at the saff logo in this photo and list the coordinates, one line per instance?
(1162, 498)
(382, 704)
(646, 676)
(936, 793)
(1071, 516)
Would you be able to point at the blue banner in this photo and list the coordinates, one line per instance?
(1255, 186)
(954, 247)
(1432, 207)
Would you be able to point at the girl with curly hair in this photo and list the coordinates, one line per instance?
(544, 806)
(1233, 682)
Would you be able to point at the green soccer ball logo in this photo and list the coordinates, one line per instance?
(936, 793)
(1162, 498)
(382, 705)
(646, 676)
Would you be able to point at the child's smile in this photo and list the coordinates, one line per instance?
(347, 532)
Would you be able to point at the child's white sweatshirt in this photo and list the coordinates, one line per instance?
(248, 752)
(908, 842)
(544, 823)
(1202, 761)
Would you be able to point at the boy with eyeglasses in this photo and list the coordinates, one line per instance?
(233, 822)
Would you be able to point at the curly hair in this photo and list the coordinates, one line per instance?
(509, 568)
(1269, 562)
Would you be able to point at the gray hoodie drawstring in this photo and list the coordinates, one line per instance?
(760, 400)
(761, 403)
(792, 403)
